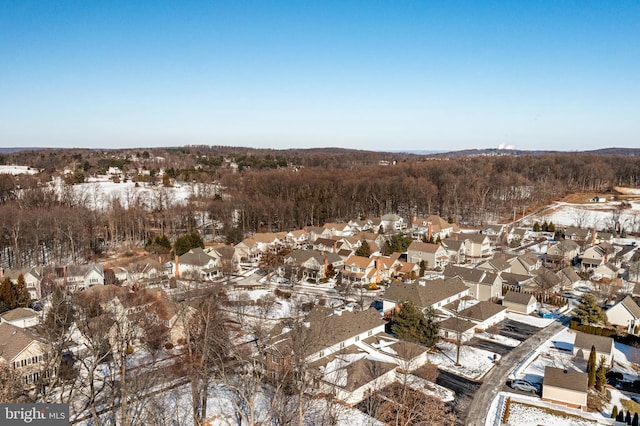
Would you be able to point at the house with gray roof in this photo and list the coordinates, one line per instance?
(625, 314)
(26, 352)
(20, 317)
(484, 314)
(195, 263)
(565, 387)
(603, 345)
(482, 284)
(423, 294)
(523, 303)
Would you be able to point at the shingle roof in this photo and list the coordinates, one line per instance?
(467, 274)
(18, 313)
(456, 324)
(631, 305)
(520, 298)
(425, 247)
(432, 292)
(586, 341)
(565, 379)
(14, 340)
(482, 311)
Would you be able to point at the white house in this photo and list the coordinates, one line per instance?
(625, 314)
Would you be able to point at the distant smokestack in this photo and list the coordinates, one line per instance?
(177, 273)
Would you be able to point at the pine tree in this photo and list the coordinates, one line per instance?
(591, 367)
(614, 412)
(627, 418)
(588, 311)
(634, 422)
(536, 227)
(412, 325)
(23, 298)
(423, 267)
(8, 294)
(601, 374)
(364, 250)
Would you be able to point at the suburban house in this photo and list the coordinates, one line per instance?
(360, 225)
(484, 314)
(482, 284)
(227, 259)
(392, 223)
(338, 229)
(80, 277)
(517, 235)
(297, 239)
(455, 249)
(525, 264)
(565, 387)
(568, 277)
(454, 328)
(359, 269)
(32, 279)
(603, 345)
(477, 247)
(497, 264)
(595, 256)
(423, 294)
(326, 244)
(579, 235)
(26, 352)
(492, 231)
(523, 303)
(547, 281)
(607, 270)
(433, 255)
(562, 252)
(625, 314)
(251, 249)
(20, 317)
(312, 264)
(195, 264)
(432, 227)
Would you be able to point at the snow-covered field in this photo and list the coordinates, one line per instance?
(524, 415)
(475, 363)
(17, 170)
(593, 216)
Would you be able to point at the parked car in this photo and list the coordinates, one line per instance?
(523, 385)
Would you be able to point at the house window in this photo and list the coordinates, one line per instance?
(357, 338)
(370, 333)
(471, 293)
(275, 359)
(321, 354)
(341, 345)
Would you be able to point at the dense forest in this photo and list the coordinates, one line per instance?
(242, 190)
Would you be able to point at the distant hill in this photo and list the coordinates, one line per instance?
(10, 150)
(519, 153)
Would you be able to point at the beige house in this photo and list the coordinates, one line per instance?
(26, 352)
(523, 303)
(625, 314)
(20, 317)
(477, 247)
(565, 387)
(484, 314)
(434, 255)
(482, 284)
(423, 294)
(603, 345)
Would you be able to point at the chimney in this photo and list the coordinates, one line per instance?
(378, 270)
(414, 219)
(422, 283)
(593, 237)
(177, 273)
(326, 266)
(1, 272)
(430, 232)
(455, 237)
(335, 246)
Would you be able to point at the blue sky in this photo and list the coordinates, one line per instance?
(382, 75)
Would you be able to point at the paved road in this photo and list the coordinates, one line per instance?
(490, 346)
(465, 390)
(494, 381)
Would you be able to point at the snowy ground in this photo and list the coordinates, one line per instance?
(475, 363)
(17, 170)
(595, 215)
(503, 340)
(533, 320)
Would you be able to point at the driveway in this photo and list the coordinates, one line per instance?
(495, 380)
(465, 390)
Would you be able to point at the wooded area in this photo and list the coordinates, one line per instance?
(242, 191)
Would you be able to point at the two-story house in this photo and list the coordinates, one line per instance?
(477, 247)
(32, 279)
(26, 352)
(482, 284)
(80, 277)
(433, 255)
(195, 264)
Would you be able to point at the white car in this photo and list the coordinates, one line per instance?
(523, 385)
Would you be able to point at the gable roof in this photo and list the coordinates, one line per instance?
(586, 341)
(631, 306)
(569, 274)
(425, 247)
(18, 313)
(565, 379)
(467, 274)
(360, 261)
(453, 244)
(511, 278)
(475, 238)
(519, 298)
(13, 340)
(432, 292)
(195, 257)
(482, 311)
(456, 324)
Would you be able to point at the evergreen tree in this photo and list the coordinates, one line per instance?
(591, 367)
(627, 418)
(23, 298)
(8, 294)
(364, 250)
(614, 412)
(188, 242)
(412, 325)
(601, 374)
(588, 311)
(634, 422)
(423, 267)
(536, 227)
(620, 416)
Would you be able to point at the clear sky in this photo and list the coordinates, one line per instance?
(382, 75)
